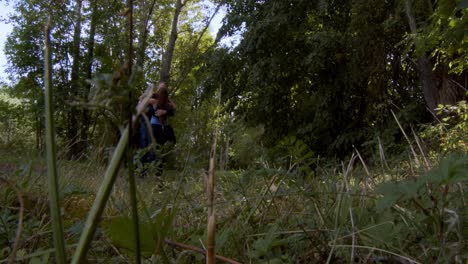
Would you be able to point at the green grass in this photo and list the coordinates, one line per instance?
(264, 215)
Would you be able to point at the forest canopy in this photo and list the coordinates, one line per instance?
(328, 73)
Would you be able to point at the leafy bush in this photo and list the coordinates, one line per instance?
(450, 134)
(13, 127)
(431, 210)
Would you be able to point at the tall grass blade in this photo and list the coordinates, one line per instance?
(418, 142)
(366, 169)
(383, 161)
(101, 199)
(211, 225)
(106, 187)
(19, 228)
(336, 227)
(407, 138)
(54, 201)
(210, 252)
(347, 172)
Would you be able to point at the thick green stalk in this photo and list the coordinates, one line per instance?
(132, 189)
(101, 199)
(134, 204)
(131, 175)
(51, 156)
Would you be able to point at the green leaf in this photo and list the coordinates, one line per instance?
(44, 259)
(452, 23)
(120, 231)
(452, 169)
(263, 245)
(391, 194)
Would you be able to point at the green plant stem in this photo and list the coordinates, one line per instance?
(134, 204)
(51, 156)
(132, 189)
(101, 199)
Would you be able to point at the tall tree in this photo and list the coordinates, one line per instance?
(86, 118)
(146, 11)
(442, 40)
(169, 52)
(23, 49)
(329, 71)
(74, 122)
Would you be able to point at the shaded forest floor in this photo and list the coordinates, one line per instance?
(402, 212)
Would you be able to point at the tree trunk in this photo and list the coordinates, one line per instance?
(426, 76)
(427, 80)
(143, 35)
(450, 88)
(73, 148)
(438, 86)
(130, 38)
(86, 115)
(167, 57)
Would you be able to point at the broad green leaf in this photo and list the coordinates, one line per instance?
(452, 169)
(391, 194)
(120, 231)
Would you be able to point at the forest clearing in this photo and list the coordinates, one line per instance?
(203, 131)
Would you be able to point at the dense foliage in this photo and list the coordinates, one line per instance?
(330, 72)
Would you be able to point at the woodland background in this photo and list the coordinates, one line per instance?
(340, 130)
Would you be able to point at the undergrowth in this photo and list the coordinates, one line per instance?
(298, 209)
(264, 215)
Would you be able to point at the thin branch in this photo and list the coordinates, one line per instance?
(104, 191)
(458, 84)
(381, 250)
(192, 52)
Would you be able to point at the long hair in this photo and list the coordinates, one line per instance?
(163, 97)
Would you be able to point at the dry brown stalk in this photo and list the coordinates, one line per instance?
(199, 250)
(210, 248)
(210, 256)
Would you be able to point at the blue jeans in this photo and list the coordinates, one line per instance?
(145, 141)
(158, 134)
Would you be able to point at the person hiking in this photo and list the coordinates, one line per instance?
(145, 137)
(162, 131)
